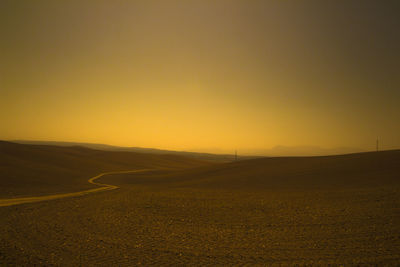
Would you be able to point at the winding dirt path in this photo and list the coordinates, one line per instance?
(104, 187)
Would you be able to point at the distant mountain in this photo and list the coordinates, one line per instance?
(305, 151)
(277, 151)
(196, 155)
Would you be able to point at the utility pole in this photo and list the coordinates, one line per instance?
(235, 155)
(377, 144)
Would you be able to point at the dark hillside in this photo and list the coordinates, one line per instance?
(38, 169)
(352, 170)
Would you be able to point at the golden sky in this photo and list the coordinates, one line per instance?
(201, 75)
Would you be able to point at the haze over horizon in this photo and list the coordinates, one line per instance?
(278, 150)
(201, 75)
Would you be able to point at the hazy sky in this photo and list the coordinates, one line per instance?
(201, 75)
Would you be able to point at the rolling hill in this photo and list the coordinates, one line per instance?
(352, 170)
(288, 211)
(43, 169)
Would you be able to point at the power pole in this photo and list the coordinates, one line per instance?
(235, 155)
(377, 144)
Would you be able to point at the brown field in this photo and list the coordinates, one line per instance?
(337, 210)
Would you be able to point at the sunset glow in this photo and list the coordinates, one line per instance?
(201, 75)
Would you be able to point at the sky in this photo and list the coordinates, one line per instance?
(210, 75)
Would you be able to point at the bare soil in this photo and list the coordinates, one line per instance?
(138, 225)
(321, 211)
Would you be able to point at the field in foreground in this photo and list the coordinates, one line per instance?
(279, 211)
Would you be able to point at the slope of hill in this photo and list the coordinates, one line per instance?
(42, 169)
(355, 170)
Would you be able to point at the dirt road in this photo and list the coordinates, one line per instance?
(104, 187)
